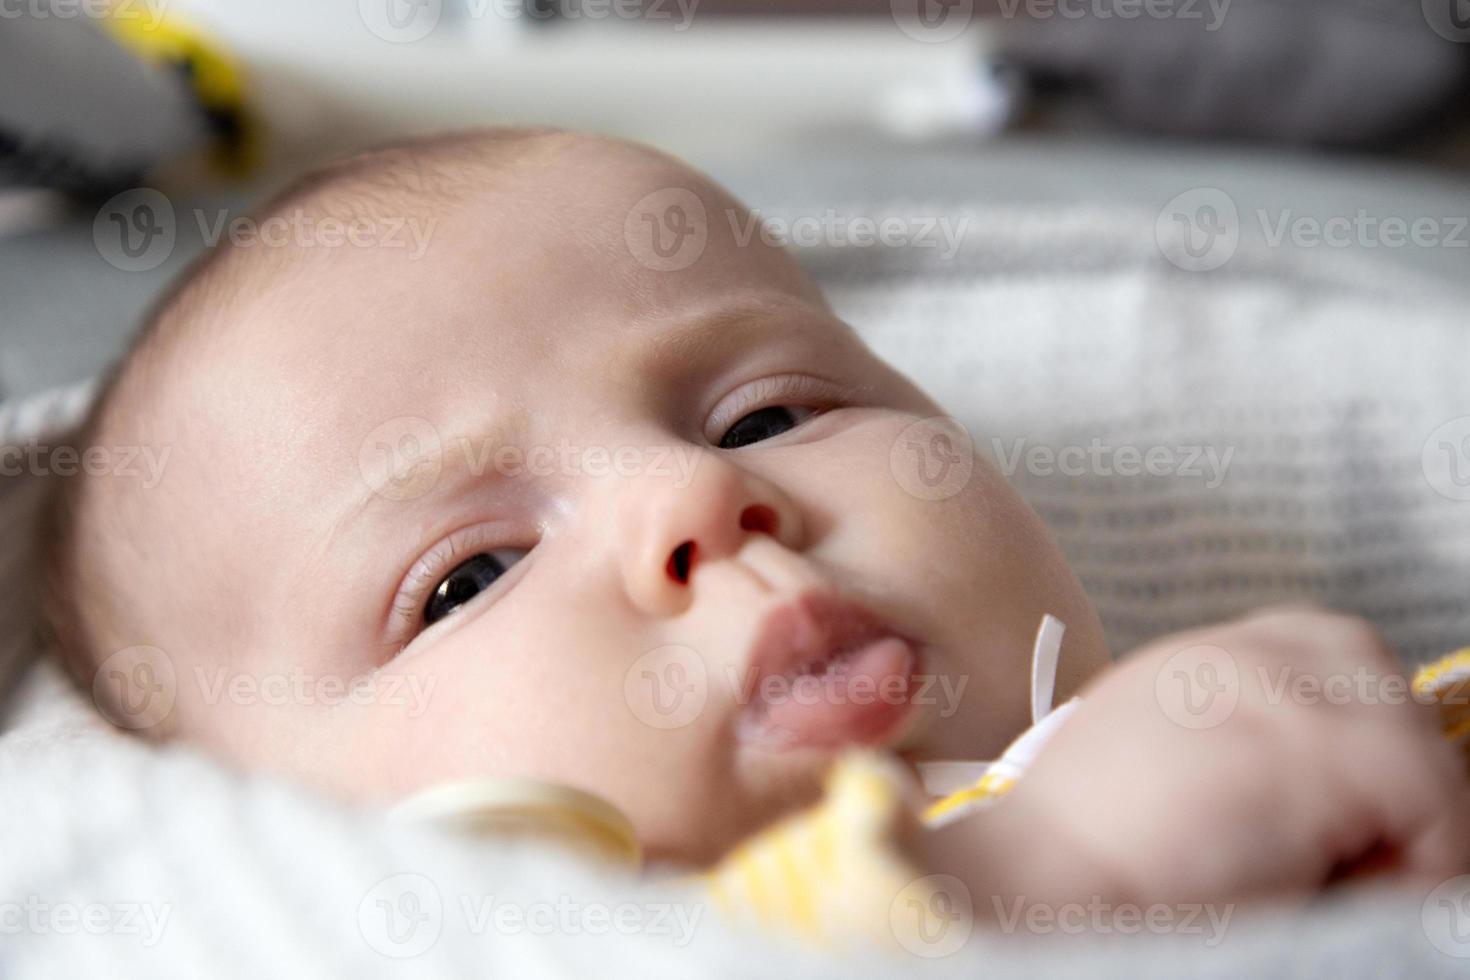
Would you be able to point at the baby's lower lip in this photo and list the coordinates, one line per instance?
(859, 698)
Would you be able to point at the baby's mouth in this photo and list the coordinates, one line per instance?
(824, 673)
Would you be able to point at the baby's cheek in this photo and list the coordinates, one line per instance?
(961, 556)
(532, 687)
(482, 705)
(926, 506)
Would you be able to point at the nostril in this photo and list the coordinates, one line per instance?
(759, 518)
(681, 561)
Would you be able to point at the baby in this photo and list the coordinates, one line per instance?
(614, 491)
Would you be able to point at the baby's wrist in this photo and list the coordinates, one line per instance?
(1008, 852)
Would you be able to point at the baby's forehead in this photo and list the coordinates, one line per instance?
(543, 262)
(424, 202)
(491, 279)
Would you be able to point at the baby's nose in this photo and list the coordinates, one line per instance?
(671, 527)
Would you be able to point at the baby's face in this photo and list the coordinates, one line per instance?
(546, 510)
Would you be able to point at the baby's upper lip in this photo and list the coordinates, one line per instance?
(802, 635)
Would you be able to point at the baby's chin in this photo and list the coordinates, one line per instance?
(761, 796)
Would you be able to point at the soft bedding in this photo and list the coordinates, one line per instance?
(1309, 433)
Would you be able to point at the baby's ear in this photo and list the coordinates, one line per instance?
(33, 611)
(49, 502)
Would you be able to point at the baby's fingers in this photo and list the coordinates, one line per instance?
(1416, 801)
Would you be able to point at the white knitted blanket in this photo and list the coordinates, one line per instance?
(1331, 399)
(1201, 443)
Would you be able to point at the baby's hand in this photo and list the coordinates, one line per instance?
(1258, 758)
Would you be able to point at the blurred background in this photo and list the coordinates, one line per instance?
(123, 123)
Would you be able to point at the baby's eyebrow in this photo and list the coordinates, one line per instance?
(709, 337)
(466, 454)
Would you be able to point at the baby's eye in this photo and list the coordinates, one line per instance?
(468, 579)
(764, 424)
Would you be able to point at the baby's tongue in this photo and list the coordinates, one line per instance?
(858, 699)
